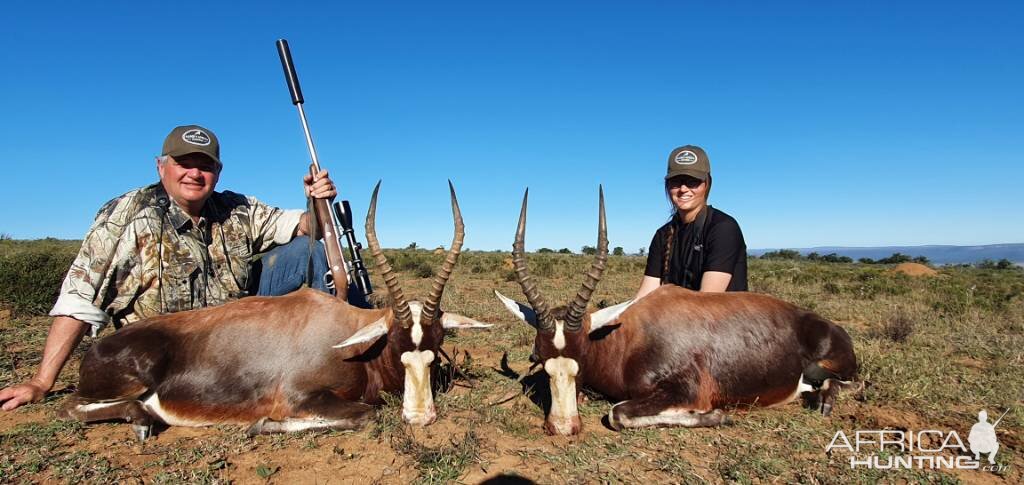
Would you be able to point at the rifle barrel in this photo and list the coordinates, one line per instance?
(326, 214)
(1000, 418)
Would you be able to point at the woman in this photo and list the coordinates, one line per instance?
(700, 248)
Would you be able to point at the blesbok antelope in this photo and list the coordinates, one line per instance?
(300, 361)
(677, 357)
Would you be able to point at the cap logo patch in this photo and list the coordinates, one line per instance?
(199, 137)
(686, 157)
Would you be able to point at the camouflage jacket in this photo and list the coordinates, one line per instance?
(141, 259)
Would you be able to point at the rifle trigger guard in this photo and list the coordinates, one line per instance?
(329, 280)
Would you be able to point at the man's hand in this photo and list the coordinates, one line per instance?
(65, 333)
(319, 187)
(15, 396)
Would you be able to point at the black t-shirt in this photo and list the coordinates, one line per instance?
(721, 248)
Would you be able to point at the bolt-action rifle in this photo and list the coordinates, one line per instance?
(328, 213)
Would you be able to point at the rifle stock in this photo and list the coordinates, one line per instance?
(332, 244)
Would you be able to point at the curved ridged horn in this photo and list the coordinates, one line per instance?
(402, 311)
(579, 304)
(544, 321)
(432, 305)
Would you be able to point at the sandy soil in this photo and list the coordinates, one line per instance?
(914, 269)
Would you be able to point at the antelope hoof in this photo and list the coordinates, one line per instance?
(256, 428)
(613, 421)
(142, 431)
(826, 409)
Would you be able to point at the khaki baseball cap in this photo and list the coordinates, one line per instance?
(183, 140)
(689, 160)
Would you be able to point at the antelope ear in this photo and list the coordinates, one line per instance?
(521, 311)
(454, 320)
(606, 316)
(368, 333)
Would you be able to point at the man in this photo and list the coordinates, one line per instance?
(173, 246)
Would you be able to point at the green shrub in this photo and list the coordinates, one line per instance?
(31, 273)
(896, 258)
(790, 254)
(1001, 264)
(873, 284)
(423, 270)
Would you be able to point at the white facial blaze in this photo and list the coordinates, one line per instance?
(559, 340)
(563, 392)
(417, 333)
(417, 328)
(418, 402)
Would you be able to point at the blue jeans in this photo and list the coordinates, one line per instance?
(283, 270)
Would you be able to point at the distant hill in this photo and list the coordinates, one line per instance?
(935, 254)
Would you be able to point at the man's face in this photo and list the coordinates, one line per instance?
(189, 179)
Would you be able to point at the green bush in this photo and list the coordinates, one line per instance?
(31, 273)
(1001, 264)
(789, 254)
(896, 258)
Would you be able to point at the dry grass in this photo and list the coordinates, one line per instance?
(936, 350)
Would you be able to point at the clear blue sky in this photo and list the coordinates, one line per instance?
(827, 123)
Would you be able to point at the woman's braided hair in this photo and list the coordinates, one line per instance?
(668, 252)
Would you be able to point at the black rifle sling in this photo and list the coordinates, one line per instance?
(697, 245)
(314, 230)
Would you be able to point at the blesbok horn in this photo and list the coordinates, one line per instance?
(544, 321)
(402, 311)
(433, 303)
(578, 307)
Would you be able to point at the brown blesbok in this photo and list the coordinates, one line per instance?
(301, 361)
(678, 357)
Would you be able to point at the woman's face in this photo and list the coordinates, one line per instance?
(687, 193)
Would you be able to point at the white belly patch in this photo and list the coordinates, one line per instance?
(668, 417)
(801, 387)
(152, 405)
(96, 406)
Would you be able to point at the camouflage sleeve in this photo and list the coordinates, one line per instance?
(271, 226)
(86, 284)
